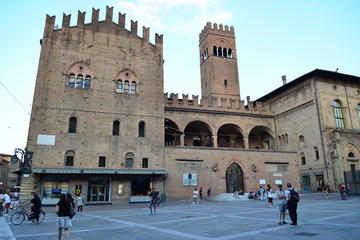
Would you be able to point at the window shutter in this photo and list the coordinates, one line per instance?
(193, 180)
(185, 179)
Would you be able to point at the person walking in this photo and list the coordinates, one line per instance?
(80, 203)
(261, 192)
(342, 192)
(6, 203)
(280, 194)
(269, 196)
(195, 197)
(153, 198)
(201, 193)
(209, 192)
(63, 220)
(35, 209)
(292, 198)
(71, 200)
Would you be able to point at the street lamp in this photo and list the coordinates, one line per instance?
(25, 159)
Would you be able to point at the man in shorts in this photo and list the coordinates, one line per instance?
(153, 198)
(6, 203)
(280, 194)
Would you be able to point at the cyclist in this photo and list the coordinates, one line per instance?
(35, 209)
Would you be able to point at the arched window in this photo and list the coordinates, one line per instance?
(87, 83)
(141, 129)
(215, 50)
(302, 141)
(126, 86)
(129, 160)
(116, 128)
(133, 88)
(119, 86)
(219, 52)
(303, 160)
(339, 120)
(316, 151)
(79, 81)
(351, 155)
(72, 125)
(69, 158)
(230, 53)
(71, 80)
(224, 52)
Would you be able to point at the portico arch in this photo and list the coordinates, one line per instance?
(198, 133)
(261, 137)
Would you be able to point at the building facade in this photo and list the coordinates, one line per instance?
(101, 125)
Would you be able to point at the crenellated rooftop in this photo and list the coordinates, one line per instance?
(106, 25)
(215, 28)
(172, 100)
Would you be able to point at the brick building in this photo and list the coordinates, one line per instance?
(102, 125)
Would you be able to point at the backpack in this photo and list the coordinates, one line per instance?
(294, 196)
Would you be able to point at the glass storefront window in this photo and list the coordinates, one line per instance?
(55, 189)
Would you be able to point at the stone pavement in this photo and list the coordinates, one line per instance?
(318, 219)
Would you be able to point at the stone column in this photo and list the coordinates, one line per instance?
(246, 143)
(215, 142)
(182, 140)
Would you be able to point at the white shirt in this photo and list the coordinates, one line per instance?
(80, 201)
(7, 198)
(196, 193)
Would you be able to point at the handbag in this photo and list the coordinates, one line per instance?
(72, 212)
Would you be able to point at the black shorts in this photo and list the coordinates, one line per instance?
(270, 200)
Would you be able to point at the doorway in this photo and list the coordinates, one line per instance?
(306, 185)
(234, 178)
(98, 190)
(319, 182)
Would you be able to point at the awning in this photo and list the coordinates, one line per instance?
(98, 171)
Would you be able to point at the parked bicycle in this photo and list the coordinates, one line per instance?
(18, 216)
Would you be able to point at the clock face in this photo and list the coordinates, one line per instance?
(14, 159)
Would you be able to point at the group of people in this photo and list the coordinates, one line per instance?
(288, 199)
(198, 195)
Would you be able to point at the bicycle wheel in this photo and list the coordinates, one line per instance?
(17, 218)
(42, 216)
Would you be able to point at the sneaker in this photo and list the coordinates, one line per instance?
(280, 223)
(284, 222)
(294, 224)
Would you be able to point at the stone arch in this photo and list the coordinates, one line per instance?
(198, 133)
(172, 133)
(80, 67)
(234, 176)
(261, 137)
(351, 162)
(126, 81)
(230, 135)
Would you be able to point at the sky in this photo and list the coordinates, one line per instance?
(273, 38)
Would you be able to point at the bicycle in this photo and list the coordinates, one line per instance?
(18, 216)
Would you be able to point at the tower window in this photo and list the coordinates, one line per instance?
(71, 80)
(72, 125)
(141, 129)
(229, 53)
(126, 86)
(116, 128)
(339, 119)
(303, 160)
(224, 52)
(119, 86)
(219, 52)
(316, 153)
(215, 51)
(102, 161)
(129, 160)
(133, 88)
(79, 81)
(69, 158)
(87, 82)
(145, 162)
(225, 83)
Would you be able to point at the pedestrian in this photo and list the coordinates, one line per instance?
(80, 203)
(71, 200)
(261, 192)
(209, 192)
(292, 198)
(269, 196)
(342, 192)
(324, 189)
(63, 220)
(6, 203)
(280, 194)
(35, 209)
(153, 198)
(201, 193)
(195, 196)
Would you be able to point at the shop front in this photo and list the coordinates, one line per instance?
(103, 186)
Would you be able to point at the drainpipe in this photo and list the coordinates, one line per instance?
(321, 129)
(348, 106)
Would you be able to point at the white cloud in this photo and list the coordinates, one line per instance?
(187, 16)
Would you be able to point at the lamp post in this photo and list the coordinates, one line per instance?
(25, 159)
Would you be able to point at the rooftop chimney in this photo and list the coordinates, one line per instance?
(283, 79)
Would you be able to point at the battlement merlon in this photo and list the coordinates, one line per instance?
(107, 26)
(172, 100)
(217, 29)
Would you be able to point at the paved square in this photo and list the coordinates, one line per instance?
(318, 219)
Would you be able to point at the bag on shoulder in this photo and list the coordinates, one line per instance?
(72, 212)
(294, 196)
